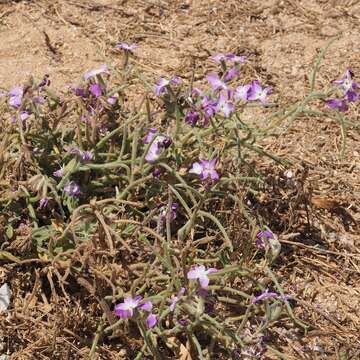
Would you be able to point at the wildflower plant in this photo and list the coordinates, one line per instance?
(87, 173)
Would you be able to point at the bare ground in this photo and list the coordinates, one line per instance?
(317, 209)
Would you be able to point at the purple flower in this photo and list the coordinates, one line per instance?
(265, 295)
(74, 150)
(94, 108)
(43, 203)
(215, 82)
(103, 69)
(59, 173)
(151, 321)
(95, 89)
(224, 105)
(158, 143)
(163, 212)
(199, 272)
(339, 104)
(149, 136)
(183, 322)
(175, 299)
(72, 189)
(15, 96)
(256, 92)
(84, 155)
(261, 235)
(112, 100)
(126, 46)
(349, 86)
(162, 84)
(147, 306)
(38, 100)
(157, 172)
(209, 106)
(218, 57)
(202, 293)
(154, 152)
(230, 57)
(23, 117)
(197, 92)
(126, 308)
(230, 74)
(242, 92)
(44, 82)
(84, 119)
(192, 117)
(267, 234)
(236, 58)
(351, 96)
(78, 91)
(205, 169)
(346, 82)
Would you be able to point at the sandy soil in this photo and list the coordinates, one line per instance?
(282, 40)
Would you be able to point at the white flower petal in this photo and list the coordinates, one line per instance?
(5, 294)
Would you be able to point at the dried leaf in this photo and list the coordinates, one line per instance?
(324, 202)
(184, 353)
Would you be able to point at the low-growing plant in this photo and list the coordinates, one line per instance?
(142, 199)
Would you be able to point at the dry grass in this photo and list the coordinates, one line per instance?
(316, 211)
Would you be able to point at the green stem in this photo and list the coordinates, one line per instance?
(304, 326)
(99, 332)
(319, 59)
(133, 184)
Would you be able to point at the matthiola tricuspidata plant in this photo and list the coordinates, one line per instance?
(152, 189)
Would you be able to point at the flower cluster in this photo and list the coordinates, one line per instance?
(25, 100)
(348, 88)
(131, 305)
(221, 99)
(248, 92)
(94, 93)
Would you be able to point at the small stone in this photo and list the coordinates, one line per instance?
(289, 174)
